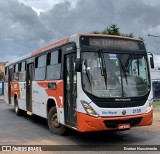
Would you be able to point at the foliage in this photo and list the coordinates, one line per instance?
(113, 29)
(156, 104)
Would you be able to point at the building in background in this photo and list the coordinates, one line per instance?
(155, 76)
(2, 66)
(2, 72)
(155, 73)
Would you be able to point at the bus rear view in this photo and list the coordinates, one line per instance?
(115, 91)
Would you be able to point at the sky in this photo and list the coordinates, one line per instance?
(26, 25)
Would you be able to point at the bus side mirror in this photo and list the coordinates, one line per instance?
(151, 62)
(151, 59)
(78, 64)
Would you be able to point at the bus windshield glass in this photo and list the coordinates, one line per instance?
(107, 74)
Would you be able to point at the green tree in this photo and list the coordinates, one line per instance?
(2, 77)
(113, 29)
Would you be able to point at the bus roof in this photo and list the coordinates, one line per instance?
(113, 36)
(63, 42)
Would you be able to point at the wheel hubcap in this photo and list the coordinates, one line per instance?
(54, 121)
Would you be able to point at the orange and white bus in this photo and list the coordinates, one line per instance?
(87, 82)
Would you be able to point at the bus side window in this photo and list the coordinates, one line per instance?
(19, 67)
(6, 74)
(36, 62)
(22, 71)
(53, 65)
(48, 59)
(15, 75)
(14, 68)
(40, 67)
(23, 68)
(54, 57)
(10, 73)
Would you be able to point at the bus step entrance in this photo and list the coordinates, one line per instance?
(29, 113)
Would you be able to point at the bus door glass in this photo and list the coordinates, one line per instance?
(29, 79)
(9, 84)
(70, 79)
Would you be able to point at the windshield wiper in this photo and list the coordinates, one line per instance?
(124, 71)
(127, 65)
(85, 63)
(103, 66)
(124, 67)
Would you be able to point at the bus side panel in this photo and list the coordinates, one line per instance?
(22, 97)
(41, 95)
(15, 90)
(12, 92)
(58, 95)
(39, 99)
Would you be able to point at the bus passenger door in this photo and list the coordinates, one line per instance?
(29, 78)
(70, 89)
(9, 84)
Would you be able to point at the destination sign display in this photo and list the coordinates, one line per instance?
(114, 43)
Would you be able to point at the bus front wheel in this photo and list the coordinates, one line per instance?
(53, 124)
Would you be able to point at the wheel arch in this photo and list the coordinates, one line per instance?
(51, 102)
(15, 96)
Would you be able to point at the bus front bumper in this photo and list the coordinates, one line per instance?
(88, 123)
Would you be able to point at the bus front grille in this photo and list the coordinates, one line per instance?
(120, 104)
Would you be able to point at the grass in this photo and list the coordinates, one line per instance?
(156, 104)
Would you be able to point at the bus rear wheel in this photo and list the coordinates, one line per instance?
(53, 124)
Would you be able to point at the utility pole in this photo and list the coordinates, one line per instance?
(150, 35)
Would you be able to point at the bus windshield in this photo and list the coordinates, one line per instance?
(107, 74)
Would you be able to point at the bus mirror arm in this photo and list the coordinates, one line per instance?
(78, 65)
(151, 59)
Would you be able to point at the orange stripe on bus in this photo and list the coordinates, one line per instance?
(112, 36)
(54, 93)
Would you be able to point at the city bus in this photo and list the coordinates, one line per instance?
(86, 82)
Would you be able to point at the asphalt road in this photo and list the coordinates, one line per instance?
(33, 130)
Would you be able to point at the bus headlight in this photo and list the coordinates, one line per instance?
(90, 111)
(150, 107)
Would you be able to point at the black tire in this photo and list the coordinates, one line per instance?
(16, 108)
(54, 126)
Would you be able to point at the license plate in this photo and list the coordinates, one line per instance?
(123, 126)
